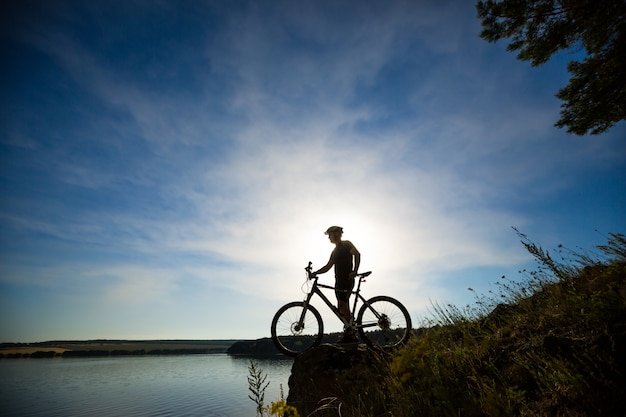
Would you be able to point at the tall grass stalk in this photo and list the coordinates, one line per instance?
(257, 385)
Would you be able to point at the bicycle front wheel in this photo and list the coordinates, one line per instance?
(296, 328)
(383, 322)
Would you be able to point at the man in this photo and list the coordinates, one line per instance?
(346, 259)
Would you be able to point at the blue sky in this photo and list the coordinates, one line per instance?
(167, 169)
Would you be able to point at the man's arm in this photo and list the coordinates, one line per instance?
(325, 268)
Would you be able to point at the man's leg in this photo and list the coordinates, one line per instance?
(344, 309)
(348, 332)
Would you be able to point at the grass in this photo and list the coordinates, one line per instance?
(551, 344)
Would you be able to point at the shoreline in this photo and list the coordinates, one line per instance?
(100, 348)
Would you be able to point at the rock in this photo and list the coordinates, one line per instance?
(328, 377)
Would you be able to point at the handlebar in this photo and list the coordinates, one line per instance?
(308, 270)
(310, 275)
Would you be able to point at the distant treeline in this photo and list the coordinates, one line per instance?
(259, 347)
(98, 348)
(265, 347)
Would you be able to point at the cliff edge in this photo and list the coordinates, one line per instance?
(330, 377)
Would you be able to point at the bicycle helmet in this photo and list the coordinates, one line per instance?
(333, 229)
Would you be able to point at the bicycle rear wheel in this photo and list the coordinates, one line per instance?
(296, 328)
(384, 322)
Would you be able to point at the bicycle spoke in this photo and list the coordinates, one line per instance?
(296, 328)
(384, 322)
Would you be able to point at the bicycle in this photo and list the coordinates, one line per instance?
(382, 321)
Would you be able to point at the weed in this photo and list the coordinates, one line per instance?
(257, 385)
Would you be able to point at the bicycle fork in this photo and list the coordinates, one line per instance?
(299, 326)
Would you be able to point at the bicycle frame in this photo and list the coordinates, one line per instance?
(316, 290)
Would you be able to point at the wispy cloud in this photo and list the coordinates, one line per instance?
(206, 164)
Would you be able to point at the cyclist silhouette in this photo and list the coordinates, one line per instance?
(346, 259)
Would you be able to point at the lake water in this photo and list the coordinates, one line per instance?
(187, 385)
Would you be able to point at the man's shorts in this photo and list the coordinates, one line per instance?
(343, 288)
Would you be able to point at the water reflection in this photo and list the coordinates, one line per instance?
(192, 385)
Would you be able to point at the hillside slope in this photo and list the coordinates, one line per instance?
(555, 346)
